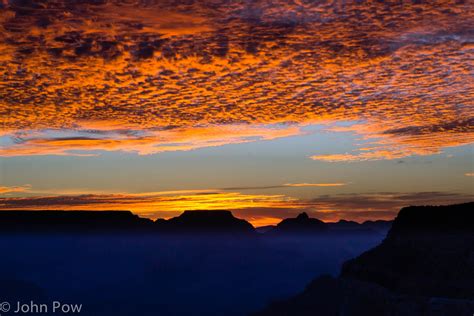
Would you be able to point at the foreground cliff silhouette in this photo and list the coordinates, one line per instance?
(425, 266)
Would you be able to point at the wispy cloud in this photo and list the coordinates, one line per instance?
(298, 185)
(469, 174)
(146, 142)
(286, 185)
(14, 189)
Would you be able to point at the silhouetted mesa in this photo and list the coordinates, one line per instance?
(424, 267)
(367, 227)
(72, 221)
(344, 224)
(209, 221)
(421, 220)
(119, 222)
(302, 224)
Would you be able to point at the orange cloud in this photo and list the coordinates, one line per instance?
(152, 77)
(314, 184)
(182, 139)
(169, 204)
(14, 189)
(259, 209)
(469, 174)
(286, 185)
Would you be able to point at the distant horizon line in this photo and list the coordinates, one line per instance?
(258, 216)
(223, 210)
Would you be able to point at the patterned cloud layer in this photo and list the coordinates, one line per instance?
(77, 77)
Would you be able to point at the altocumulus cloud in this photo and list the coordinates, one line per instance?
(149, 77)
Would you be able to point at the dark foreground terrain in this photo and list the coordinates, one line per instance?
(211, 263)
(201, 263)
(425, 267)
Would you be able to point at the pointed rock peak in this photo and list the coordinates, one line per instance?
(302, 216)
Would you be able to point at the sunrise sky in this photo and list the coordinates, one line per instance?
(343, 109)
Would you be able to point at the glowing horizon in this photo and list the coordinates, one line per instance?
(274, 103)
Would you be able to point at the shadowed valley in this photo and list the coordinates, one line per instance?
(211, 263)
(425, 266)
